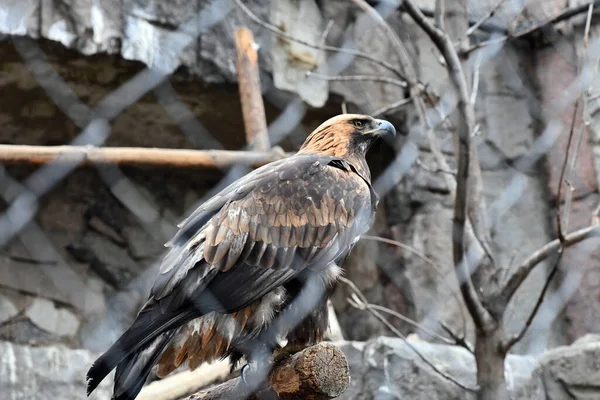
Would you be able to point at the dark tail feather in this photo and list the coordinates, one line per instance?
(133, 371)
(140, 335)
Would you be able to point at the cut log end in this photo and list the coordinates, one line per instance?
(319, 372)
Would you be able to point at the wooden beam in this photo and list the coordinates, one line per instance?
(253, 108)
(134, 156)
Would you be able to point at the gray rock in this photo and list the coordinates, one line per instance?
(48, 372)
(7, 308)
(141, 244)
(110, 261)
(291, 60)
(58, 321)
(387, 368)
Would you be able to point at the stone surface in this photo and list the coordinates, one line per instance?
(387, 368)
(47, 372)
(291, 60)
(58, 321)
(7, 308)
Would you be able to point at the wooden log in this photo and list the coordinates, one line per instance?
(136, 156)
(253, 108)
(319, 372)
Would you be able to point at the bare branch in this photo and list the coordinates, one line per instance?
(487, 16)
(440, 12)
(334, 49)
(319, 372)
(359, 301)
(135, 156)
(346, 78)
(523, 270)
(466, 124)
(392, 106)
(253, 108)
(559, 225)
(561, 16)
(507, 345)
(427, 260)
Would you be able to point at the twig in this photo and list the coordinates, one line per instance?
(562, 16)
(487, 16)
(459, 341)
(440, 12)
(584, 125)
(334, 49)
(361, 304)
(360, 297)
(135, 156)
(427, 260)
(253, 108)
(523, 270)
(346, 78)
(507, 345)
(559, 225)
(466, 123)
(390, 107)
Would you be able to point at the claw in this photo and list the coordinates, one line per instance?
(244, 373)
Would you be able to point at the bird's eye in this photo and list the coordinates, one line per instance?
(358, 124)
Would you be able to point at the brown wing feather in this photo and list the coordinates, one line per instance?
(302, 214)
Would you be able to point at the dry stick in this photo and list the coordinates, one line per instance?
(137, 156)
(487, 16)
(440, 11)
(319, 372)
(508, 344)
(559, 226)
(253, 109)
(334, 49)
(392, 106)
(584, 125)
(480, 315)
(360, 302)
(416, 252)
(346, 78)
(543, 253)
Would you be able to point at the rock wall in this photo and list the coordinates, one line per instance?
(380, 368)
(93, 259)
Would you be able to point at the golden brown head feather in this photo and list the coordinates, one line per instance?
(347, 136)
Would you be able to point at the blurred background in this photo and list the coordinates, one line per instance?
(80, 245)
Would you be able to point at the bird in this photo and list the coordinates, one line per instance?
(235, 272)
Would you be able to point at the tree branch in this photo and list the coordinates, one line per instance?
(134, 156)
(353, 78)
(466, 124)
(253, 108)
(523, 270)
(319, 372)
(561, 16)
(508, 344)
(334, 49)
(359, 301)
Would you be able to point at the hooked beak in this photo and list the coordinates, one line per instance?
(384, 128)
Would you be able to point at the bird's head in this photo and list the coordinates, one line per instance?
(347, 135)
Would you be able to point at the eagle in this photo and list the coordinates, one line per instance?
(237, 268)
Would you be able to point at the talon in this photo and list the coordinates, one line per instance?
(244, 373)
